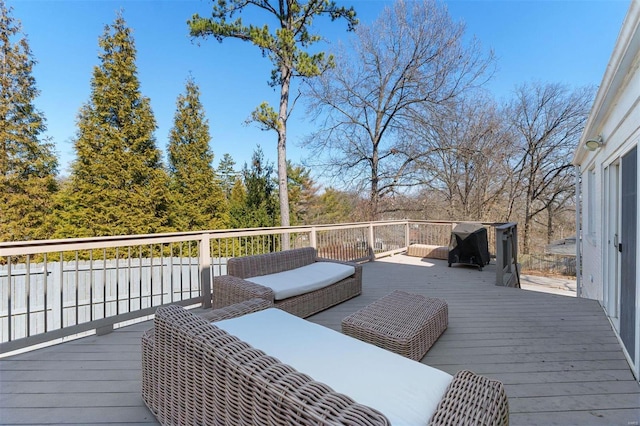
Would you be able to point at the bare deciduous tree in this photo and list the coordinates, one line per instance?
(548, 120)
(412, 60)
(469, 161)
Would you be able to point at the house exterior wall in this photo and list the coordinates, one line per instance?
(616, 117)
(621, 132)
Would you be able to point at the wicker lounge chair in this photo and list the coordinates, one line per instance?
(196, 373)
(235, 286)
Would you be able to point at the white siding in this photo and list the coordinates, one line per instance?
(592, 282)
(616, 117)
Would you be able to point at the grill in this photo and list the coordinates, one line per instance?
(469, 245)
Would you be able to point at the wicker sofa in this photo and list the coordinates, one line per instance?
(194, 372)
(236, 285)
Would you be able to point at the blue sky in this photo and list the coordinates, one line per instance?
(568, 42)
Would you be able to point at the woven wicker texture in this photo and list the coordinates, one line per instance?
(472, 400)
(232, 288)
(429, 251)
(405, 323)
(236, 310)
(195, 373)
(270, 263)
(151, 358)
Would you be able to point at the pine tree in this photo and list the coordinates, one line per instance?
(260, 203)
(302, 192)
(261, 191)
(28, 164)
(332, 206)
(199, 199)
(227, 174)
(118, 184)
(288, 46)
(237, 205)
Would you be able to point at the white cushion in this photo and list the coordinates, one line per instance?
(304, 279)
(405, 391)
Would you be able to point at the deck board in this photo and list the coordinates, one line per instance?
(558, 356)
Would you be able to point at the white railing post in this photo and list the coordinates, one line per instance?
(313, 238)
(406, 235)
(372, 253)
(205, 270)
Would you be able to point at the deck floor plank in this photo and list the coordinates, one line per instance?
(558, 356)
(613, 417)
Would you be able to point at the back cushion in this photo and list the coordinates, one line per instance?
(270, 263)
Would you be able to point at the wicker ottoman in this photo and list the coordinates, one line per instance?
(407, 324)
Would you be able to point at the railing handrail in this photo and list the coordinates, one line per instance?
(20, 248)
(504, 225)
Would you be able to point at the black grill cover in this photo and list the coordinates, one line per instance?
(469, 245)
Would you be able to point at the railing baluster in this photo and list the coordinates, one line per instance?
(190, 283)
(219, 265)
(171, 274)
(45, 284)
(9, 297)
(91, 284)
(129, 278)
(76, 287)
(139, 278)
(181, 277)
(161, 273)
(150, 289)
(150, 277)
(61, 290)
(117, 281)
(104, 283)
(27, 283)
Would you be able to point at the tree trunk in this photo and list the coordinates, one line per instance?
(549, 224)
(527, 223)
(283, 189)
(374, 196)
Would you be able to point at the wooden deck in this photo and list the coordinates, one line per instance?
(557, 355)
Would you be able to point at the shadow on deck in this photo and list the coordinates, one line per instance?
(558, 356)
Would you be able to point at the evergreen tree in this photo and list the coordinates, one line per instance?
(199, 199)
(260, 203)
(28, 164)
(118, 183)
(302, 191)
(332, 206)
(237, 205)
(288, 46)
(261, 191)
(227, 174)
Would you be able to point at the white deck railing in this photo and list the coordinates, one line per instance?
(52, 289)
